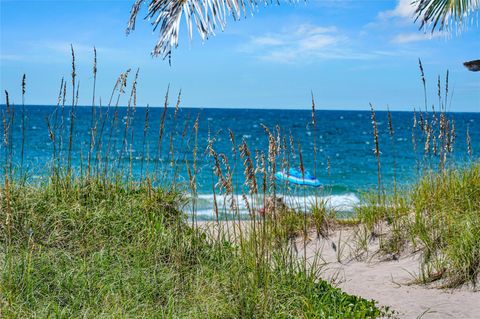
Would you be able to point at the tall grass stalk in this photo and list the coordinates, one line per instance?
(128, 117)
(391, 132)
(193, 181)
(93, 121)
(376, 151)
(145, 132)
(22, 152)
(469, 143)
(160, 130)
(7, 136)
(424, 84)
(72, 114)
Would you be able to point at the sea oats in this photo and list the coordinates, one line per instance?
(376, 150)
(249, 172)
(422, 74)
(469, 142)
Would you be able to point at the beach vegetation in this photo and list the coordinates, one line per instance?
(91, 238)
(96, 248)
(437, 216)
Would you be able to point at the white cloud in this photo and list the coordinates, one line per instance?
(11, 57)
(303, 42)
(267, 41)
(400, 22)
(405, 10)
(403, 38)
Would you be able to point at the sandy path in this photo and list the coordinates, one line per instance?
(386, 281)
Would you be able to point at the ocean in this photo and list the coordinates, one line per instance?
(345, 162)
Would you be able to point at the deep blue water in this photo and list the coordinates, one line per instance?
(344, 139)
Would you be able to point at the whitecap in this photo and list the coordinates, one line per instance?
(340, 203)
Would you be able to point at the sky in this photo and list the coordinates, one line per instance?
(349, 53)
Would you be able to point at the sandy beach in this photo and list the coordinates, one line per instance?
(388, 281)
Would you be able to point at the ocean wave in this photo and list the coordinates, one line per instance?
(205, 203)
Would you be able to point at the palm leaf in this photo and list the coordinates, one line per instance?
(442, 14)
(208, 15)
(473, 66)
(205, 15)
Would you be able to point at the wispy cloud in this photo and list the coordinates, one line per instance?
(404, 10)
(403, 38)
(402, 15)
(267, 40)
(302, 43)
(11, 57)
(399, 23)
(54, 51)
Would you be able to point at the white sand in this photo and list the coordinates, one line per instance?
(387, 282)
(390, 282)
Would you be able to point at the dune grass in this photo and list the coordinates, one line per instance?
(92, 239)
(91, 248)
(440, 216)
(95, 240)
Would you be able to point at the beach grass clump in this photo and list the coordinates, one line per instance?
(288, 224)
(323, 217)
(446, 208)
(384, 220)
(60, 214)
(439, 216)
(93, 248)
(371, 212)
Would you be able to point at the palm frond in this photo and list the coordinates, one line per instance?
(473, 66)
(206, 15)
(443, 14)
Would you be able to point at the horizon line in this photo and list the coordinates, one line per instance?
(254, 108)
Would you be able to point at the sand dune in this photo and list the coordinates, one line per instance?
(389, 282)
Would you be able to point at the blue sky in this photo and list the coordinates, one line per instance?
(348, 52)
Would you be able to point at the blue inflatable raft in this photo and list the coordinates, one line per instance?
(294, 176)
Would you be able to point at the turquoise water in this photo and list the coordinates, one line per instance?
(346, 164)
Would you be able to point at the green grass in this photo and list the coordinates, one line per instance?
(440, 215)
(90, 248)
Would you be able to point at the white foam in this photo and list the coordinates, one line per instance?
(205, 207)
(205, 212)
(344, 202)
